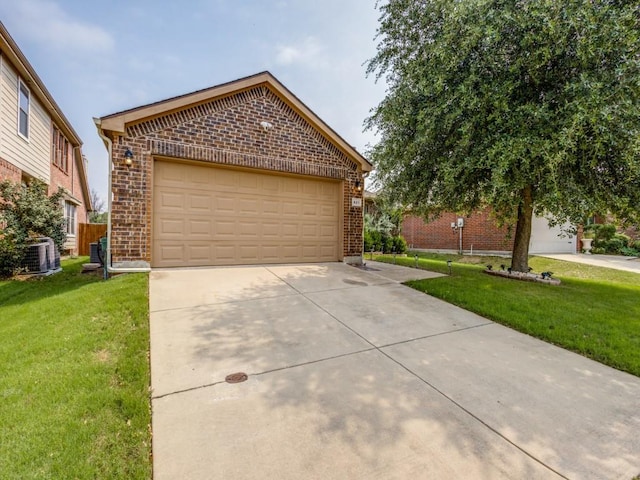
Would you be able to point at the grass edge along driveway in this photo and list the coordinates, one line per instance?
(594, 312)
(74, 376)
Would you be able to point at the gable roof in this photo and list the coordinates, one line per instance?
(14, 55)
(117, 122)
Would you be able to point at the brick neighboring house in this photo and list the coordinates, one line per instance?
(36, 139)
(480, 233)
(240, 173)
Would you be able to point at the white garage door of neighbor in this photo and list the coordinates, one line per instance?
(206, 215)
(546, 239)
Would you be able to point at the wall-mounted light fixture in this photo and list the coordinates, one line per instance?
(128, 157)
(358, 186)
(266, 126)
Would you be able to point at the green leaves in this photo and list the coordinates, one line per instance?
(27, 211)
(487, 97)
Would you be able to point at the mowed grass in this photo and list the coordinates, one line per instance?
(594, 312)
(74, 380)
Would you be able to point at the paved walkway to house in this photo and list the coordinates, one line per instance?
(618, 262)
(353, 375)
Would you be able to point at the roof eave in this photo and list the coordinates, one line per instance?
(15, 56)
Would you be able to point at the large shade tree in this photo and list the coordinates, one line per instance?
(527, 106)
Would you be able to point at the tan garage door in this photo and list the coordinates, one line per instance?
(204, 215)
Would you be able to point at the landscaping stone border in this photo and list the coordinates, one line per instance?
(525, 277)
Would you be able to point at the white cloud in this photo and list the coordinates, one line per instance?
(310, 53)
(46, 22)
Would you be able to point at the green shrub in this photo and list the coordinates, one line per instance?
(27, 212)
(613, 245)
(399, 244)
(368, 241)
(630, 252)
(604, 232)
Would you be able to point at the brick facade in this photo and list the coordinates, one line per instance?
(480, 233)
(9, 171)
(223, 131)
(70, 181)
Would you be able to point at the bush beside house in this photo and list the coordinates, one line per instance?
(608, 241)
(27, 212)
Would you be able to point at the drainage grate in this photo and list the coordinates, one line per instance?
(236, 377)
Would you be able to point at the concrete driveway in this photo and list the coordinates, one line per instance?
(352, 375)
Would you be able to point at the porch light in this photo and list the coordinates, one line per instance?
(128, 157)
(358, 187)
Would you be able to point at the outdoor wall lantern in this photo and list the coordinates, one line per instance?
(266, 126)
(358, 186)
(128, 157)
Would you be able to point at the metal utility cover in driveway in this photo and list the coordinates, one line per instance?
(352, 375)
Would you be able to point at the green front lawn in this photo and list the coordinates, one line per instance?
(594, 312)
(74, 377)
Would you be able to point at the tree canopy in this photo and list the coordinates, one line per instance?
(523, 105)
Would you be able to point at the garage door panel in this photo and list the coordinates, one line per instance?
(248, 206)
(224, 204)
(290, 208)
(206, 215)
(171, 226)
(248, 253)
(198, 253)
(200, 227)
(202, 203)
(289, 231)
(271, 231)
(172, 200)
(270, 207)
(328, 232)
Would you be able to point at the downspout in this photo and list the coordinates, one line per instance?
(110, 268)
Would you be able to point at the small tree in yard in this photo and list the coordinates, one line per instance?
(27, 212)
(527, 106)
(98, 215)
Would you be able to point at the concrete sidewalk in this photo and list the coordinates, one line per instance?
(617, 262)
(352, 375)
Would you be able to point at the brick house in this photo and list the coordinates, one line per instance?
(36, 139)
(480, 233)
(239, 173)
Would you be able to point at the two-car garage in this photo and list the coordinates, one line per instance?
(212, 215)
(237, 174)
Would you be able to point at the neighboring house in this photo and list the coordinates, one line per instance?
(480, 233)
(240, 173)
(36, 140)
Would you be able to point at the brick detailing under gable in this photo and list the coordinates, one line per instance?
(194, 152)
(225, 131)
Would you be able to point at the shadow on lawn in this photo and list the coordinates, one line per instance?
(20, 291)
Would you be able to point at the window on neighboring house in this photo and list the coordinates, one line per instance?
(70, 217)
(23, 109)
(60, 150)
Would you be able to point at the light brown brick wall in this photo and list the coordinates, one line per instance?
(480, 231)
(9, 171)
(226, 131)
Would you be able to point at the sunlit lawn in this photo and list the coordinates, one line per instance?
(74, 382)
(594, 312)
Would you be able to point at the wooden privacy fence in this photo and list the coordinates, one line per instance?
(89, 233)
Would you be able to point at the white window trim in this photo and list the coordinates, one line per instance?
(75, 219)
(22, 84)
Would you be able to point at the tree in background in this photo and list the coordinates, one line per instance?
(26, 212)
(526, 106)
(98, 215)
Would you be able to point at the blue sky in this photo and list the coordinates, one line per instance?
(98, 58)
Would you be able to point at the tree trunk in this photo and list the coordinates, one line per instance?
(520, 253)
